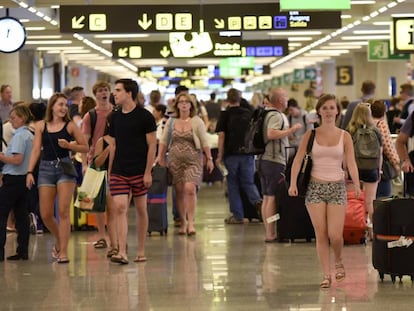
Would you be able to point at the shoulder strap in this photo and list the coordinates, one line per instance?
(93, 117)
(310, 142)
(170, 128)
(412, 124)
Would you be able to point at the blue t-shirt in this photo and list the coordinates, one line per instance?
(21, 143)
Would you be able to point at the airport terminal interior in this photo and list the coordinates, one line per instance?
(223, 266)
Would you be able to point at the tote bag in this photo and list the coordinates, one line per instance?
(92, 192)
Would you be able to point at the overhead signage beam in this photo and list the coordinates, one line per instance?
(315, 5)
(265, 16)
(206, 46)
(176, 18)
(128, 18)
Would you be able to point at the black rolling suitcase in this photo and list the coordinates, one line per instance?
(294, 222)
(391, 254)
(157, 201)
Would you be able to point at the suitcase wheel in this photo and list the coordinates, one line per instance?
(412, 278)
(381, 275)
(400, 276)
(393, 278)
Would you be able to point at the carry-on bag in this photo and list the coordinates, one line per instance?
(393, 227)
(355, 218)
(294, 222)
(157, 201)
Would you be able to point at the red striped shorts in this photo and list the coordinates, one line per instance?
(120, 185)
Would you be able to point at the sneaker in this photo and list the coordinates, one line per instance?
(33, 223)
(233, 221)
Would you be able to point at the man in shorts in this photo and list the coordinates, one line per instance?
(133, 130)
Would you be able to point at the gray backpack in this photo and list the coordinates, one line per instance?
(367, 148)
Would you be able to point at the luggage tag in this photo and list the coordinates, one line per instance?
(273, 218)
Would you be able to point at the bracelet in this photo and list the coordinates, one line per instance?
(210, 158)
(30, 172)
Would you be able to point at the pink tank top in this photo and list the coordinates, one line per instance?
(327, 161)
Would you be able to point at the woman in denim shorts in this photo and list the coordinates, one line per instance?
(56, 137)
(326, 195)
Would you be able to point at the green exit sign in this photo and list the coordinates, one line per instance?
(289, 5)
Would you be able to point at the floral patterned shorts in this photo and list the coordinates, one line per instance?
(327, 192)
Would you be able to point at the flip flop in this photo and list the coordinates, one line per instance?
(55, 252)
(271, 241)
(119, 259)
(140, 259)
(62, 260)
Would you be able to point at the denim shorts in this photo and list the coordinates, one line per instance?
(369, 175)
(326, 192)
(51, 174)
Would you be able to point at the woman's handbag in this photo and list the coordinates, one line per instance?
(92, 193)
(306, 168)
(68, 168)
(388, 170)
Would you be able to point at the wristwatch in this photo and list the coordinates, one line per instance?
(12, 34)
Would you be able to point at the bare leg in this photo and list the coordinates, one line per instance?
(112, 219)
(142, 223)
(180, 198)
(100, 222)
(317, 213)
(268, 210)
(65, 191)
(121, 204)
(190, 202)
(336, 220)
(47, 197)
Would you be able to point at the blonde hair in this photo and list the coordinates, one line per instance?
(188, 97)
(361, 117)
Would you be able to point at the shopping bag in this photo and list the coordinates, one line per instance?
(92, 192)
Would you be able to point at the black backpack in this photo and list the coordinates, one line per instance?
(254, 140)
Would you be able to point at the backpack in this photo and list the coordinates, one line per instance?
(366, 148)
(254, 139)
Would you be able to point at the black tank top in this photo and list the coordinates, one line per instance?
(51, 148)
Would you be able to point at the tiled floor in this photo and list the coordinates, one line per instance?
(224, 267)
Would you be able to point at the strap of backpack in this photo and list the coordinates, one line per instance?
(93, 117)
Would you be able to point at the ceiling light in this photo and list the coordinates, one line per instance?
(44, 37)
(24, 20)
(362, 2)
(127, 35)
(35, 28)
(203, 62)
(348, 47)
(383, 9)
(31, 42)
(295, 44)
(68, 51)
(372, 32)
(373, 37)
(62, 48)
(348, 43)
(294, 33)
(402, 15)
(106, 41)
(328, 52)
(300, 38)
(346, 16)
(381, 23)
(391, 4)
(55, 6)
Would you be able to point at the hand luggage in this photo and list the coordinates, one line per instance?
(392, 254)
(355, 219)
(157, 201)
(294, 222)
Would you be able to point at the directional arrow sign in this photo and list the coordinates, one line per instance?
(165, 52)
(145, 23)
(77, 23)
(122, 52)
(310, 74)
(219, 23)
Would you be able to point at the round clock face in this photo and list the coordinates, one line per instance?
(12, 35)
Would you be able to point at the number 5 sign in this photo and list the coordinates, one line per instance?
(344, 75)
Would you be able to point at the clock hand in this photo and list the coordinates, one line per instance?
(8, 31)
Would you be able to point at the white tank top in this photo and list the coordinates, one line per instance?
(327, 161)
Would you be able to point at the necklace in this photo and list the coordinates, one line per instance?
(187, 119)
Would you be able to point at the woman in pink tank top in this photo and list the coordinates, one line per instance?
(326, 195)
